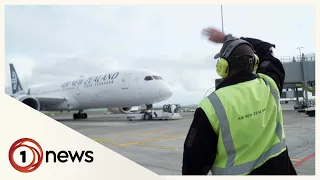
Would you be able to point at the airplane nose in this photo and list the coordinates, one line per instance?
(165, 92)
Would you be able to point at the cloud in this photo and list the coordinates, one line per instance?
(50, 44)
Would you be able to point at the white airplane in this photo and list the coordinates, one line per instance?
(118, 91)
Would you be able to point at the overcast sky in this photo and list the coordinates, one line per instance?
(55, 43)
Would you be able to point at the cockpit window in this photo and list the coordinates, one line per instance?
(157, 77)
(148, 78)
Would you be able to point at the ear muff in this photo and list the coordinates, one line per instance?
(256, 63)
(222, 68)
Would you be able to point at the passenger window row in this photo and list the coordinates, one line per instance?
(149, 78)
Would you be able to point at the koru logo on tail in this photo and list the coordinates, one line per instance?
(14, 80)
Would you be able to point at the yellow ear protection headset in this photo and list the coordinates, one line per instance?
(223, 66)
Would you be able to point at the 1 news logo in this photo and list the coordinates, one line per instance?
(28, 151)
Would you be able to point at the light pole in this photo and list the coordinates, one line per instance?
(221, 10)
(300, 52)
(304, 76)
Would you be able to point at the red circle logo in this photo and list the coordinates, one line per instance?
(37, 155)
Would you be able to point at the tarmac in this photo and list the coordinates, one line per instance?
(158, 145)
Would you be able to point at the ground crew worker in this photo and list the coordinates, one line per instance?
(238, 129)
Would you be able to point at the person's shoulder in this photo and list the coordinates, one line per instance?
(269, 79)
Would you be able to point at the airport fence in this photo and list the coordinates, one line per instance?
(306, 57)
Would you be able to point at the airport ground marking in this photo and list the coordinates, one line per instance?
(304, 159)
(138, 134)
(102, 140)
(151, 140)
(293, 159)
(158, 147)
(98, 139)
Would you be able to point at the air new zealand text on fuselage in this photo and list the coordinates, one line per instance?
(89, 80)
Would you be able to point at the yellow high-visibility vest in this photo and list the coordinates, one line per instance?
(247, 118)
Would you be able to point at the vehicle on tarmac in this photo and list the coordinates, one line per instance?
(311, 111)
(168, 112)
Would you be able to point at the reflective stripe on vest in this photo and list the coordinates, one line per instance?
(230, 168)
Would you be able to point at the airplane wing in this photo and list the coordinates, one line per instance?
(49, 100)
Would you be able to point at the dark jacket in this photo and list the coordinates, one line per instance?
(200, 146)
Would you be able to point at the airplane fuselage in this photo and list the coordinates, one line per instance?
(121, 88)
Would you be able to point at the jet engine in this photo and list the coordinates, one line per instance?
(29, 101)
(123, 110)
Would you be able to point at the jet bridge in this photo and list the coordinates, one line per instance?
(300, 74)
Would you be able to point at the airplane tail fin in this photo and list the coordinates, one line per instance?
(15, 82)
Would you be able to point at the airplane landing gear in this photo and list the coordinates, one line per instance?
(80, 115)
(148, 114)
